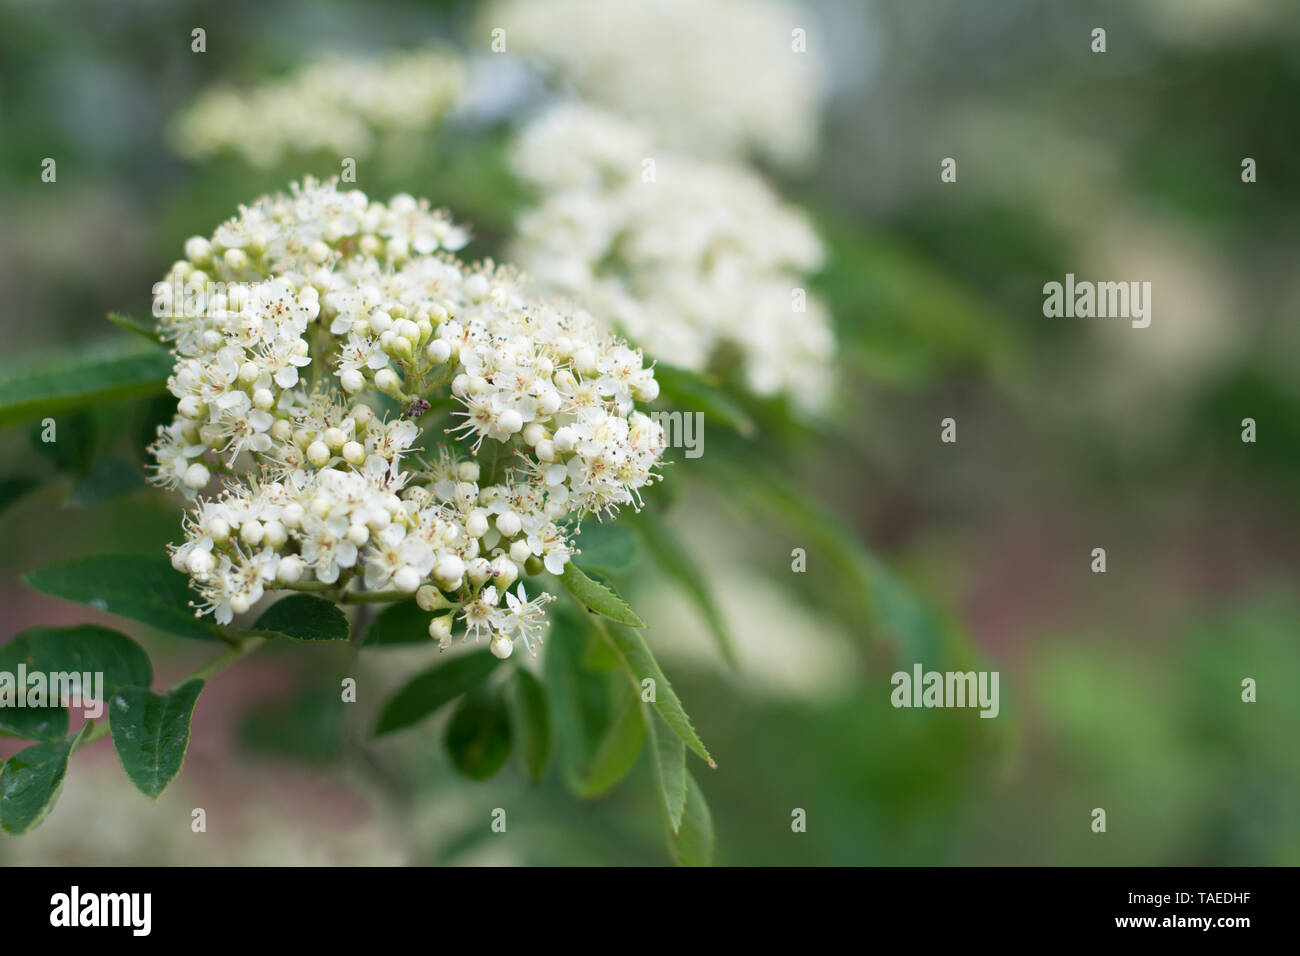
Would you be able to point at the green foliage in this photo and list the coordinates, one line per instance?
(304, 617)
(692, 844)
(618, 751)
(31, 780)
(399, 624)
(669, 753)
(433, 688)
(151, 733)
(76, 379)
(144, 589)
(478, 735)
(598, 597)
(531, 723)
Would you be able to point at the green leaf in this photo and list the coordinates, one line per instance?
(146, 330)
(478, 735)
(678, 564)
(144, 589)
(106, 481)
(618, 750)
(78, 650)
(428, 691)
(607, 546)
(669, 766)
(597, 597)
(641, 666)
(101, 373)
(400, 623)
(693, 843)
(151, 733)
(11, 489)
(532, 723)
(304, 617)
(31, 780)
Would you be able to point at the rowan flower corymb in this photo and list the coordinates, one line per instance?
(357, 409)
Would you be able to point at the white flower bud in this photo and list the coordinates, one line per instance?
(352, 380)
(429, 598)
(218, 529)
(239, 604)
(201, 563)
(334, 438)
(479, 570)
(274, 534)
(318, 252)
(251, 531)
(291, 569)
(407, 580)
(358, 534)
(291, 517)
(381, 321)
(505, 571)
(196, 476)
(510, 421)
(318, 453)
(235, 259)
(197, 250)
(508, 524)
(440, 629)
(476, 524)
(501, 646)
(249, 373)
(449, 572)
(263, 398)
(533, 433)
(386, 380)
(281, 429)
(520, 552)
(564, 439)
(354, 453)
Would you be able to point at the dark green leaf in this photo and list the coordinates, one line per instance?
(151, 733)
(678, 564)
(400, 623)
(304, 617)
(11, 489)
(428, 691)
(598, 597)
(106, 481)
(618, 750)
(78, 650)
(145, 589)
(532, 723)
(669, 755)
(607, 546)
(101, 373)
(478, 735)
(31, 780)
(693, 843)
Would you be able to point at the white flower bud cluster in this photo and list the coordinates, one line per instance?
(277, 380)
(715, 77)
(337, 105)
(699, 261)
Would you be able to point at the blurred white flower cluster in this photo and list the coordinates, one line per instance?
(304, 312)
(716, 77)
(693, 261)
(337, 105)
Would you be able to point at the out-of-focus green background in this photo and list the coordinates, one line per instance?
(1119, 690)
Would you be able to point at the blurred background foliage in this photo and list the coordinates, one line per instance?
(1120, 690)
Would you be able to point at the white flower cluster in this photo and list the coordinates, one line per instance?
(692, 261)
(714, 77)
(321, 306)
(336, 105)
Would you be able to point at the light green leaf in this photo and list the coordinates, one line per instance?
(478, 735)
(532, 723)
(678, 564)
(618, 750)
(606, 546)
(304, 617)
(693, 843)
(144, 589)
(151, 733)
(428, 691)
(641, 666)
(101, 373)
(669, 766)
(597, 597)
(31, 780)
(146, 330)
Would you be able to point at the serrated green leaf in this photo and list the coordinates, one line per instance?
(618, 749)
(692, 845)
(399, 624)
(478, 735)
(532, 723)
(428, 691)
(100, 373)
(144, 589)
(31, 780)
(678, 564)
(669, 766)
(151, 733)
(641, 666)
(304, 617)
(597, 597)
